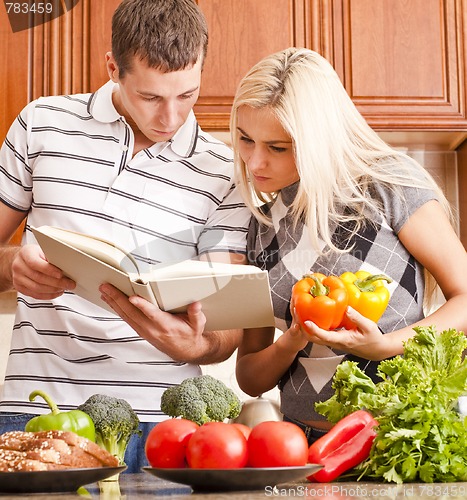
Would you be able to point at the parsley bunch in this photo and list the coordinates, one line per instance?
(421, 436)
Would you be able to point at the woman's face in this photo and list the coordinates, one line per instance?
(266, 149)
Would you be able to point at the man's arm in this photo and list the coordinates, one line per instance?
(25, 268)
(10, 221)
(181, 336)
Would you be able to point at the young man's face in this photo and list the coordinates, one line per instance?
(155, 103)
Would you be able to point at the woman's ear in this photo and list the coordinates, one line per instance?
(112, 68)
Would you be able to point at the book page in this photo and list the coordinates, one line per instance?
(232, 295)
(98, 248)
(189, 268)
(86, 270)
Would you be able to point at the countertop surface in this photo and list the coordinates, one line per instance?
(144, 486)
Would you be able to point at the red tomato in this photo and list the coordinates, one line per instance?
(277, 444)
(243, 428)
(217, 445)
(166, 444)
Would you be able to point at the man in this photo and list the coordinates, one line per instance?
(128, 164)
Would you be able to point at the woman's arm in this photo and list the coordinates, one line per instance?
(430, 238)
(261, 362)
(432, 241)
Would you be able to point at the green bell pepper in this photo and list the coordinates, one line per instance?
(75, 420)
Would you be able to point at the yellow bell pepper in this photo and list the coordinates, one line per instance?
(367, 294)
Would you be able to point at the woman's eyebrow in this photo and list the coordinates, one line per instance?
(274, 141)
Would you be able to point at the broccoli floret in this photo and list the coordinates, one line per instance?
(201, 399)
(115, 422)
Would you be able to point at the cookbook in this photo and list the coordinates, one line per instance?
(232, 295)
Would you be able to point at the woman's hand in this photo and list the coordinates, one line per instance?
(293, 340)
(365, 340)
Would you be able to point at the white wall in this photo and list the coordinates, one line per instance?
(7, 308)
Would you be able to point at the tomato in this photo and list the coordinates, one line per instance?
(217, 445)
(166, 444)
(243, 428)
(277, 444)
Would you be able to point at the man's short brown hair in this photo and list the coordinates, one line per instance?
(169, 35)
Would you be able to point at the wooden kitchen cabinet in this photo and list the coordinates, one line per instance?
(13, 72)
(402, 62)
(241, 32)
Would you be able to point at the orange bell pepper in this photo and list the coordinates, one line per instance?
(367, 294)
(321, 299)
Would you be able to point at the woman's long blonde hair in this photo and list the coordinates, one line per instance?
(337, 154)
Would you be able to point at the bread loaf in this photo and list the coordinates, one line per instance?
(50, 450)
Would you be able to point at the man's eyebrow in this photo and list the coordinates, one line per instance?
(146, 93)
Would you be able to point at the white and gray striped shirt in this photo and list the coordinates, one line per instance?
(68, 161)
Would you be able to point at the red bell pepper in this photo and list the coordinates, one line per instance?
(346, 445)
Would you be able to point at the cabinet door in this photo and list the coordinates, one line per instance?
(241, 32)
(403, 62)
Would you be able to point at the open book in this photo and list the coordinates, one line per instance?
(232, 296)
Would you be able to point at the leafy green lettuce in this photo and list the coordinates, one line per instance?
(421, 436)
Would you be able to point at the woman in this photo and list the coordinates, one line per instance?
(328, 195)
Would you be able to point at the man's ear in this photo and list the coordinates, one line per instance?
(112, 68)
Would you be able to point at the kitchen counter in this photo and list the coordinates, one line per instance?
(145, 486)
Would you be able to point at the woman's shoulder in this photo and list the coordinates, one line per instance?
(399, 201)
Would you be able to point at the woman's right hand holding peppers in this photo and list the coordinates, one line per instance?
(350, 304)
